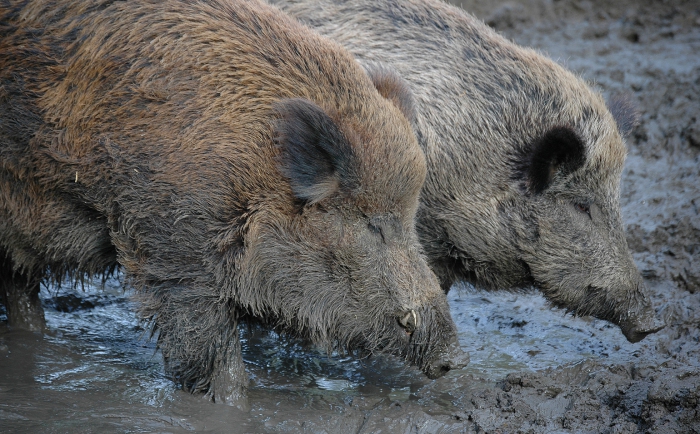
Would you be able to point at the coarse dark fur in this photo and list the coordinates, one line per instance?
(524, 159)
(232, 162)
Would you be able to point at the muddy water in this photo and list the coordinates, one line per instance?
(95, 370)
(533, 368)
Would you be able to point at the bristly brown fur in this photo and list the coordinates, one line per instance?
(141, 134)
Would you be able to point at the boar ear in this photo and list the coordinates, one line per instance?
(314, 153)
(392, 87)
(624, 112)
(559, 150)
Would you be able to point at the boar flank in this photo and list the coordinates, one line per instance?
(232, 162)
(524, 159)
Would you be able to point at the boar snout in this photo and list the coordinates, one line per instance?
(430, 338)
(641, 320)
(637, 328)
(452, 358)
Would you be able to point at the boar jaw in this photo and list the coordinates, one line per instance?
(636, 318)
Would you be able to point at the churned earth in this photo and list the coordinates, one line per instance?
(534, 369)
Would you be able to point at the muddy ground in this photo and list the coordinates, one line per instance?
(533, 370)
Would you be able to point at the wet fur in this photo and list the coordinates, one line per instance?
(230, 161)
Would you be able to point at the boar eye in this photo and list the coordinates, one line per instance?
(583, 208)
(376, 230)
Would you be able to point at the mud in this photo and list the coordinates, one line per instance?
(534, 369)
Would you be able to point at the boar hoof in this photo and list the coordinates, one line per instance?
(21, 299)
(635, 331)
(453, 358)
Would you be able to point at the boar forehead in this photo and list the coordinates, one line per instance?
(599, 180)
(391, 167)
(349, 222)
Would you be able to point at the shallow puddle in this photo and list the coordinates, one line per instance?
(95, 369)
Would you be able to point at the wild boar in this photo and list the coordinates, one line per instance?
(524, 159)
(233, 163)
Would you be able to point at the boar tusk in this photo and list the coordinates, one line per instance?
(415, 318)
(404, 320)
(410, 320)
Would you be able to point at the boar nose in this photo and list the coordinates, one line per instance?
(639, 328)
(641, 319)
(409, 321)
(452, 358)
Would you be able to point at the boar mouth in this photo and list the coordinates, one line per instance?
(409, 321)
(643, 321)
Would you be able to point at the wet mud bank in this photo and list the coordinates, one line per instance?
(533, 369)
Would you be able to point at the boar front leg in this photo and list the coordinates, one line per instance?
(229, 382)
(20, 295)
(199, 339)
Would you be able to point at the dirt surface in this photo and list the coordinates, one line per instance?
(533, 369)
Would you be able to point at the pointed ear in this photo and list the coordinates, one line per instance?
(392, 87)
(624, 112)
(559, 150)
(314, 153)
